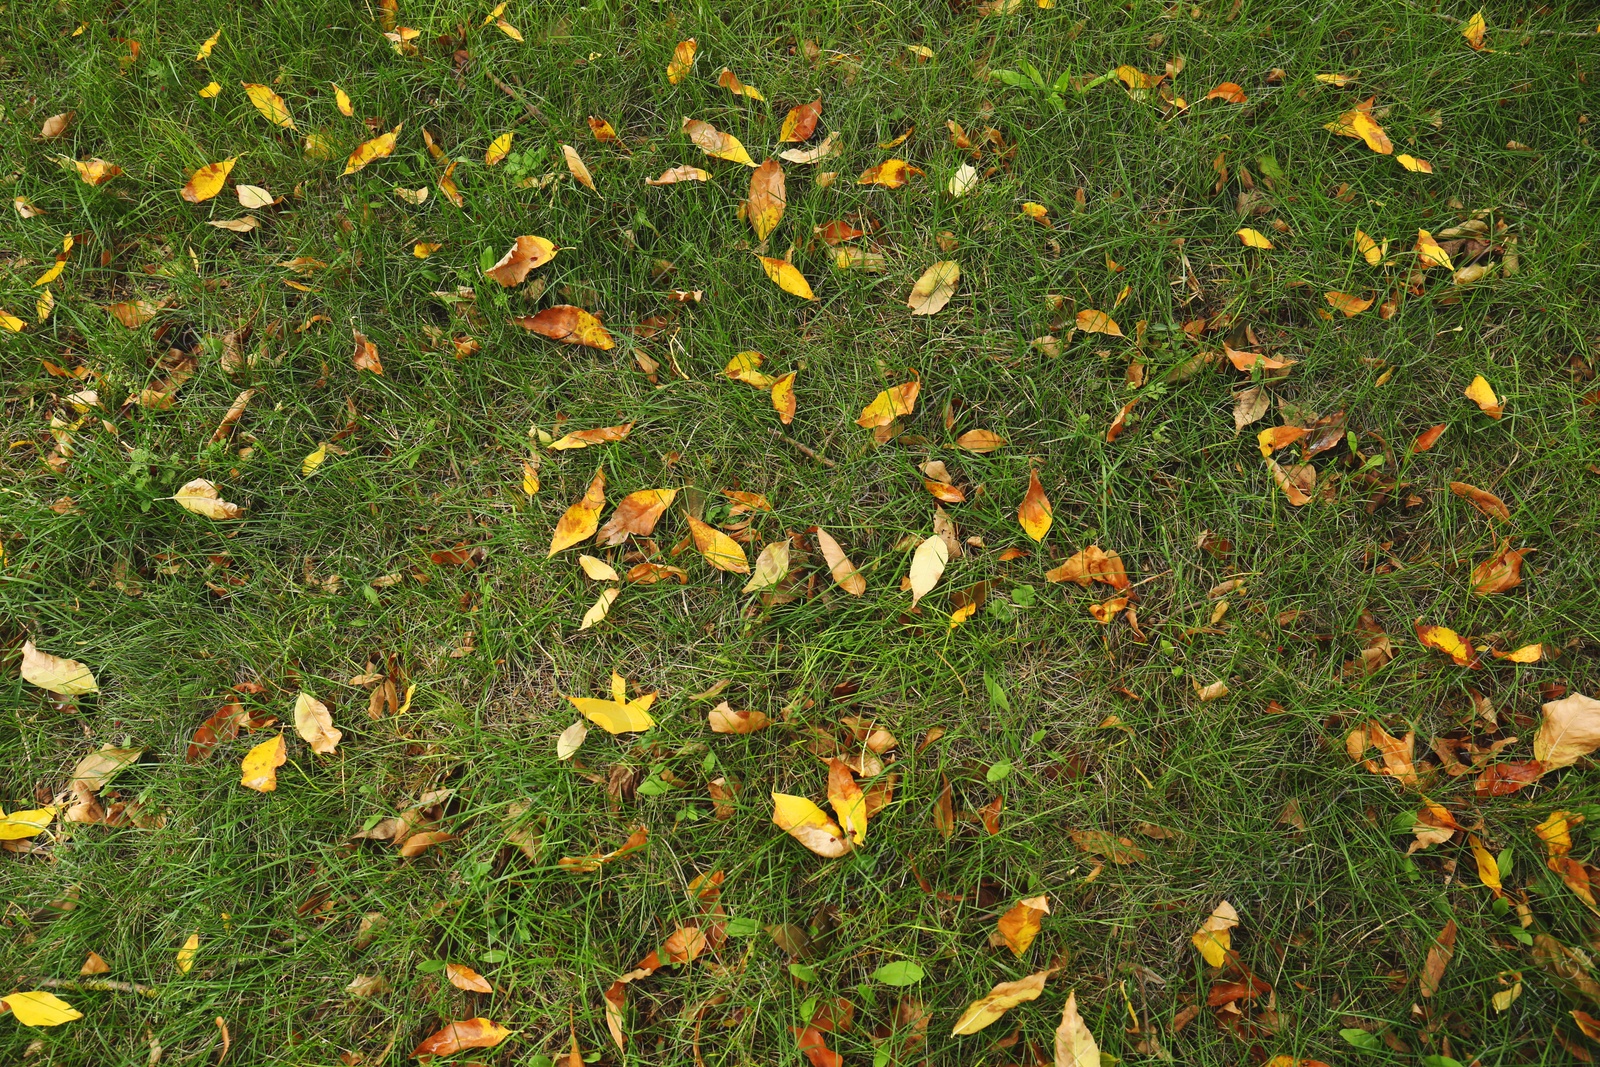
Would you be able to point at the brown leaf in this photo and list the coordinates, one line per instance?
(801, 122)
(944, 815)
(765, 204)
(1102, 843)
(464, 977)
(1444, 946)
(1499, 573)
(1483, 500)
(636, 514)
(1429, 437)
(980, 441)
(56, 125)
(524, 255)
(1397, 753)
(366, 354)
(1020, 925)
(934, 289)
(568, 324)
(724, 720)
(593, 862)
(1569, 731)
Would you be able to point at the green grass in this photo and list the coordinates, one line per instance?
(1338, 918)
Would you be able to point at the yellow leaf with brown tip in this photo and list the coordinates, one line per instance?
(270, 104)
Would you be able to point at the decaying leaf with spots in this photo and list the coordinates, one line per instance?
(525, 254)
(809, 825)
(57, 674)
(844, 572)
(934, 289)
(259, 769)
(719, 550)
(270, 104)
(584, 438)
(618, 715)
(891, 174)
(579, 521)
(377, 148)
(801, 122)
(569, 325)
(208, 181)
(999, 1000)
(713, 142)
(772, 566)
(636, 514)
(783, 398)
(765, 204)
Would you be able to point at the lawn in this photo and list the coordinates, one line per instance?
(1264, 703)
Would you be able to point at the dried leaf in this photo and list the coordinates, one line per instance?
(525, 254)
(600, 608)
(809, 825)
(848, 802)
(682, 61)
(1093, 564)
(377, 148)
(1075, 1045)
(1214, 938)
(891, 174)
(1228, 91)
(1020, 925)
(579, 521)
(208, 181)
(730, 81)
(1444, 947)
(927, 565)
(801, 122)
(576, 167)
(1359, 123)
(783, 398)
(1091, 321)
(636, 514)
(601, 435)
(270, 104)
(1119, 850)
(468, 1033)
(1474, 31)
(200, 496)
(571, 739)
(259, 770)
(890, 404)
(1569, 731)
(569, 325)
(366, 354)
(787, 277)
(1498, 574)
(1254, 239)
(828, 146)
(465, 978)
(844, 572)
(1449, 642)
(772, 566)
(314, 723)
(1351, 306)
(617, 716)
(999, 1000)
(713, 142)
(934, 289)
(498, 149)
(598, 570)
(64, 677)
(765, 204)
(39, 1008)
(673, 175)
(1482, 394)
(719, 550)
(1034, 513)
(723, 719)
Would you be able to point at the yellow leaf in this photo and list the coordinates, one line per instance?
(1075, 1045)
(674, 175)
(313, 460)
(499, 148)
(1359, 123)
(1481, 393)
(787, 277)
(1345, 302)
(580, 521)
(848, 801)
(10, 322)
(424, 249)
(24, 824)
(314, 723)
(809, 825)
(53, 273)
(1525, 654)
(1429, 254)
(45, 305)
(934, 289)
(1413, 164)
(341, 100)
(64, 677)
(1254, 239)
(891, 174)
(259, 769)
(200, 497)
(927, 566)
(719, 550)
(210, 43)
(95, 171)
(783, 398)
(1037, 212)
(730, 81)
(576, 167)
(772, 566)
(1035, 513)
(602, 129)
(598, 569)
(270, 104)
(317, 147)
(963, 613)
(617, 716)
(742, 368)
(682, 61)
(1020, 925)
(1213, 939)
(999, 1000)
(209, 90)
(601, 607)
(41, 1009)
(447, 186)
(801, 122)
(208, 181)
(713, 142)
(377, 148)
(1369, 249)
(890, 404)
(186, 954)
(1474, 31)
(1488, 867)
(530, 478)
(509, 30)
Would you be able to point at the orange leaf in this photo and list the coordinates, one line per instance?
(890, 404)
(1483, 500)
(1482, 394)
(1091, 321)
(1428, 438)
(636, 514)
(801, 122)
(464, 977)
(579, 521)
(1034, 513)
(1227, 91)
(366, 354)
(1350, 305)
(1449, 642)
(524, 255)
(1019, 926)
(468, 1033)
(368, 151)
(765, 204)
(891, 174)
(783, 399)
(568, 324)
(1498, 574)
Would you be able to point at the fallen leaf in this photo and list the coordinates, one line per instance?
(934, 289)
(1525, 654)
(1501, 572)
(64, 677)
(270, 104)
(598, 570)
(1370, 249)
(253, 197)
(95, 171)
(186, 954)
(719, 550)
(465, 978)
(891, 174)
(1350, 305)
(783, 398)
(240, 225)
(509, 30)
(1482, 394)
(568, 325)
(999, 1000)
(1020, 925)
(200, 496)
(1228, 91)
(468, 1033)
(848, 802)
(1474, 31)
(208, 181)
(571, 739)
(20, 825)
(809, 825)
(39, 1008)
(1214, 938)
(723, 719)
(314, 723)
(525, 254)
(1485, 501)
(1449, 642)
(765, 204)
(844, 571)
(1075, 1045)
(1093, 564)
(1034, 513)
(890, 404)
(1428, 438)
(576, 167)
(93, 964)
(1254, 238)
(599, 436)
(636, 514)
(377, 148)
(447, 185)
(56, 125)
(682, 61)
(27, 208)
(980, 441)
(730, 81)
(787, 277)
(579, 521)
(801, 122)
(673, 175)
(1556, 831)
(1439, 953)
(1119, 850)
(341, 100)
(1569, 731)
(1413, 164)
(964, 180)
(1091, 321)
(772, 566)
(927, 565)
(1359, 123)
(713, 142)
(828, 146)
(209, 90)
(1037, 212)
(367, 985)
(617, 715)
(259, 770)
(1430, 254)
(365, 356)
(498, 149)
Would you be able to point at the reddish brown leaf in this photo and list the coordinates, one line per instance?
(1444, 946)
(1483, 500)
(1429, 437)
